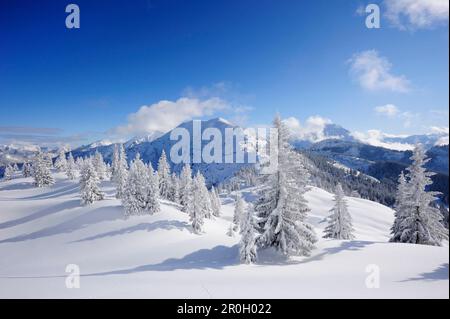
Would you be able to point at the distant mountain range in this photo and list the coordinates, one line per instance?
(151, 147)
(334, 142)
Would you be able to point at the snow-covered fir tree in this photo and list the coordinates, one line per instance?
(185, 186)
(15, 167)
(164, 176)
(41, 171)
(99, 165)
(215, 202)
(152, 191)
(140, 195)
(417, 221)
(79, 162)
(89, 184)
(61, 162)
(445, 213)
(340, 221)
(206, 199)
(8, 173)
(247, 245)
(281, 207)
(174, 194)
(26, 170)
(402, 205)
(115, 163)
(198, 206)
(70, 167)
(48, 159)
(239, 206)
(121, 173)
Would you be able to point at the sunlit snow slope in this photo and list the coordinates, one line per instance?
(44, 230)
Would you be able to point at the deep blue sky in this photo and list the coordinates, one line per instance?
(285, 56)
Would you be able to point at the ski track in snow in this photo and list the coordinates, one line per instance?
(43, 230)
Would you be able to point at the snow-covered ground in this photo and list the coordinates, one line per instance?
(44, 230)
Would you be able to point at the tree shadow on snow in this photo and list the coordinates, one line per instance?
(162, 224)
(69, 188)
(42, 213)
(214, 258)
(18, 186)
(440, 273)
(94, 216)
(270, 256)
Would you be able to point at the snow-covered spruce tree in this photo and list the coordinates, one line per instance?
(89, 184)
(215, 202)
(445, 213)
(15, 167)
(99, 165)
(402, 205)
(26, 170)
(247, 244)
(61, 162)
(174, 194)
(48, 159)
(152, 192)
(238, 212)
(340, 221)
(185, 186)
(70, 167)
(79, 162)
(164, 176)
(41, 171)
(281, 207)
(8, 173)
(140, 195)
(121, 173)
(198, 206)
(419, 222)
(205, 196)
(115, 163)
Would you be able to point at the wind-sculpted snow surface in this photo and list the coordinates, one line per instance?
(42, 230)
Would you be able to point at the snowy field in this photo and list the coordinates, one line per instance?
(43, 230)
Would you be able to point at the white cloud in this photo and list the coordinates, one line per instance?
(439, 130)
(312, 130)
(416, 14)
(373, 73)
(389, 110)
(376, 138)
(444, 131)
(165, 115)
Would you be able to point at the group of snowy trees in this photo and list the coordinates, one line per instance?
(140, 188)
(41, 166)
(281, 209)
(140, 193)
(196, 200)
(417, 221)
(9, 171)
